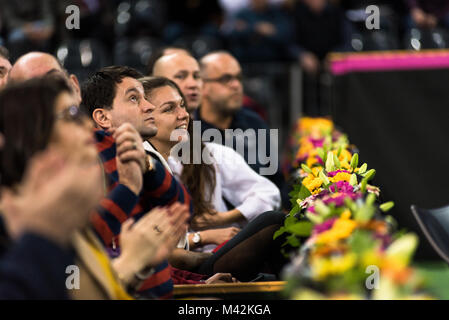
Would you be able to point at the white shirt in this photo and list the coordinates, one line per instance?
(247, 191)
(184, 241)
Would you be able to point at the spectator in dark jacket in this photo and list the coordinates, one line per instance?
(260, 33)
(428, 13)
(320, 28)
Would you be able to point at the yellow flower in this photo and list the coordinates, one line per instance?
(324, 267)
(315, 127)
(345, 165)
(341, 176)
(345, 214)
(341, 229)
(305, 148)
(372, 258)
(312, 183)
(345, 155)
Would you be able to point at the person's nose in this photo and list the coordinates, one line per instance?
(147, 106)
(191, 82)
(236, 84)
(183, 114)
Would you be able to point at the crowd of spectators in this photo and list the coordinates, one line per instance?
(127, 32)
(141, 220)
(253, 30)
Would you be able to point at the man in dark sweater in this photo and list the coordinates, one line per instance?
(240, 128)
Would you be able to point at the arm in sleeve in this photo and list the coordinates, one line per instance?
(250, 193)
(113, 210)
(34, 268)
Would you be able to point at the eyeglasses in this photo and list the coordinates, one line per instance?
(226, 79)
(72, 114)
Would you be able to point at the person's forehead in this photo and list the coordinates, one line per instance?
(223, 64)
(177, 62)
(127, 84)
(5, 63)
(41, 69)
(165, 94)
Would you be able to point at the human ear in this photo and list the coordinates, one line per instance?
(76, 86)
(102, 118)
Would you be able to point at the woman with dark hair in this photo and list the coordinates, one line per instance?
(40, 115)
(213, 172)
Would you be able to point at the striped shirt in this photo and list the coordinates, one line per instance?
(160, 188)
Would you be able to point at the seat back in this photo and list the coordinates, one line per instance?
(135, 52)
(417, 39)
(435, 225)
(82, 57)
(199, 45)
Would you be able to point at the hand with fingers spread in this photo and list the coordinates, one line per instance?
(130, 157)
(150, 240)
(55, 199)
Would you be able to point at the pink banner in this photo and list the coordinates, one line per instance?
(388, 61)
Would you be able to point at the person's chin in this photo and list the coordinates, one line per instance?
(191, 107)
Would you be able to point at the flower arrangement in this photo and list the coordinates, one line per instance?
(346, 246)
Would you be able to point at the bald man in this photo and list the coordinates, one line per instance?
(37, 64)
(5, 66)
(221, 108)
(183, 69)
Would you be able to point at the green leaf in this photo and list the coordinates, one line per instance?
(290, 220)
(386, 206)
(355, 160)
(304, 193)
(365, 213)
(322, 209)
(321, 154)
(363, 185)
(361, 241)
(403, 248)
(295, 209)
(392, 222)
(363, 168)
(330, 165)
(350, 204)
(302, 229)
(279, 232)
(370, 174)
(307, 169)
(325, 150)
(353, 180)
(314, 218)
(337, 162)
(293, 241)
(370, 199)
(339, 151)
(324, 178)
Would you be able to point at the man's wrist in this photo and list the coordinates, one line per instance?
(131, 187)
(149, 164)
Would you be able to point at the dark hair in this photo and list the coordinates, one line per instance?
(4, 53)
(99, 90)
(196, 177)
(160, 52)
(27, 116)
